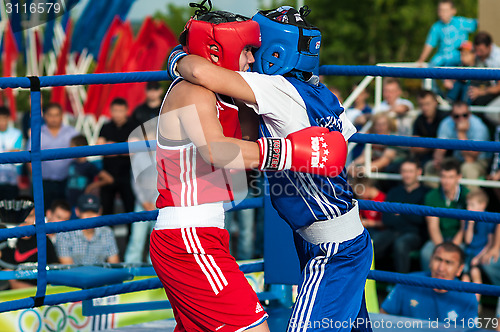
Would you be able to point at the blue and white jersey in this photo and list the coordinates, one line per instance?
(287, 105)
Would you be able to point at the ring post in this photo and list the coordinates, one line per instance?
(36, 166)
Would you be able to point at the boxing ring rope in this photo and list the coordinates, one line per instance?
(36, 156)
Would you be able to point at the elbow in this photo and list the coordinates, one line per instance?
(201, 75)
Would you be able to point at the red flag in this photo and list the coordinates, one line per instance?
(10, 55)
(148, 53)
(39, 46)
(97, 95)
(59, 92)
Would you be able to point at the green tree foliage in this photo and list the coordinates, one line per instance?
(374, 31)
(175, 17)
(369, 32)
(362, 32)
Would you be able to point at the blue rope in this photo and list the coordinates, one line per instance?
(452, 73)
(428, 282)
(153, 283)
(142, 146)
(85, 79)
(108, 220)
(135, 77)
(87, 294)
(426, 142)
(422, 210)
(127, 218)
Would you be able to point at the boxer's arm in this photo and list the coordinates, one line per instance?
(194, 107)
(200, 71)
(306, 150)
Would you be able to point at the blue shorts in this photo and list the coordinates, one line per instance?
(331, 294)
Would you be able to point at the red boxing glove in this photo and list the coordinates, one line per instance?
(313, 150)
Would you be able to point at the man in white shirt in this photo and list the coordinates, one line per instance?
(398, 107)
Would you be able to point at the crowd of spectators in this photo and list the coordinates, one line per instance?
(445, 248)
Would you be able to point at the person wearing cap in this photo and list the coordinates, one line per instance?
(151, 107)
(87, 246)
(458, 88)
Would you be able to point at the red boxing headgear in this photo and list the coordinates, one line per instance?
(229, 37)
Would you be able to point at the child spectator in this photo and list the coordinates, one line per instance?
(458, 89)
(26, 252)
(447, 34)
(59, 211)
(478, 237)
(87, 246)
(365, 188)
(10, 140)
(82, 173)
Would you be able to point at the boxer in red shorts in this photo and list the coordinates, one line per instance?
(198, 141)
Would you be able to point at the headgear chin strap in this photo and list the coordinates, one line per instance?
(230, 33)
(289, 42)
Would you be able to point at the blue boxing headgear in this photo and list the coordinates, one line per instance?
(286, 33)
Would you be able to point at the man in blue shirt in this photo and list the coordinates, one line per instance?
(463, 125)
(447, 34)
(435, 304)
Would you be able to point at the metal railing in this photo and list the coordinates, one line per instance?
(443, 105)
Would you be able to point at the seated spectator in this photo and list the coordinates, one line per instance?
(82, 175)
(478, 237)
(11, 139)
(365, 188)
(117, 130)
(59, 211)
(403, 234)
(458, 90)
(435, 304)
(382, 155)
(397, 107)
(487, 55)
(151, 107)
(427, 123)
(463, 125)
(87, 246)
(26, 252)
(449, 194)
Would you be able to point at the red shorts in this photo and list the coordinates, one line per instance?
(203, 282)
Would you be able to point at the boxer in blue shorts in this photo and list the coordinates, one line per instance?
(334, 248)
